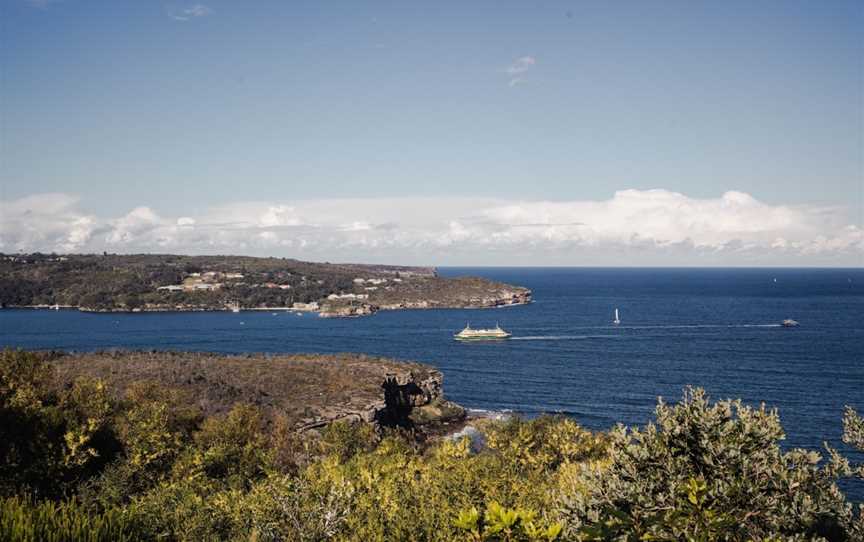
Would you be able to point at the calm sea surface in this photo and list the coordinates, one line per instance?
(715, 328)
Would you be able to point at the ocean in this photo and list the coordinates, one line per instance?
(714, 328)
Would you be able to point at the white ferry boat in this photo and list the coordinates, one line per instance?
(469, 334)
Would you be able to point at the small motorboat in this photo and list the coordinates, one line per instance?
(790, 323)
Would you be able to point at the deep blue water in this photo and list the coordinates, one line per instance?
(715, 328)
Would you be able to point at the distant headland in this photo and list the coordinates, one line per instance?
(166, 282)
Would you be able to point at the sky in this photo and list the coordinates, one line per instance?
(440, 133)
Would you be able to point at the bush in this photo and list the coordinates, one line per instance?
(707, 472)
(79, 463)
(230, 449)
(23, 520)
(497, 523)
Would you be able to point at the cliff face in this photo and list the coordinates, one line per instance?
(309, 390)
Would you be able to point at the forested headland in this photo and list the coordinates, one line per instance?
(163, 282)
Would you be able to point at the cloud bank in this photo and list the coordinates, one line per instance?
(633, 227)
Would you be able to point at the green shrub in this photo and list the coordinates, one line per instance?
(230, 448)
(151, 466)
(497, 523)
(22, 520)
(707, 472)
(345, 439)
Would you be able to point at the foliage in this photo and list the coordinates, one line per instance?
(23, 520)
(49, 439)
(29, 425)
(87, 408)
(85, 461)
(127, 282)
(152, 427)
(504, 524)
(707, 472)
(853, 428)
(111, 282)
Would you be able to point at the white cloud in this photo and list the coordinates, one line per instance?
(279, 215)
(47, 221)
(135, 224)
(519, 68)
(192, 12)
(633, 227)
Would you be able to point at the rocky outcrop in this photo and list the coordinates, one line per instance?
(347, 310)
(306, 391)
(410, 399)
(508, 297)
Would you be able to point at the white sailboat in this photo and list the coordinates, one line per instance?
(617, 320)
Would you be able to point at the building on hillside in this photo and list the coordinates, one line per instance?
(171, 288)
(333, 297)
(204, 286)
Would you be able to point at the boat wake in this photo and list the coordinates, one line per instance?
(562, 337)
(678, 326)
(697, 326)
(620, 327)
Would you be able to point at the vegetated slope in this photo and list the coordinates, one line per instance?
(171, 282)
(81, 461)
(469, 292)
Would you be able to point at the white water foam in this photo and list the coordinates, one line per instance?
(562, 337)
(670, 326)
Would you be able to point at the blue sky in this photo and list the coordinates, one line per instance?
(150, 112)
